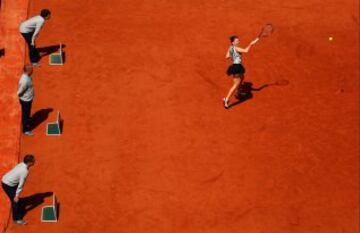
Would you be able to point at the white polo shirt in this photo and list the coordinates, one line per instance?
(34, 25)
(16, 176)
(26, 88)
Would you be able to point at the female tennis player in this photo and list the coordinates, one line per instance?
(236, 70)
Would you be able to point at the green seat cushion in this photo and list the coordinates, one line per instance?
(56, 59)
(49, 214)
(53, 129)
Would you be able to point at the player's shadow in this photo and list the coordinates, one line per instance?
(28, 203)
(46, 51)
(39, 117)
(245, 93)
(2, 52)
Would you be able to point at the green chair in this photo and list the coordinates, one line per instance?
(54, 128)
(49, 213)
(57, 59)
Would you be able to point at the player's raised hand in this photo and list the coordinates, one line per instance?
(254, 41)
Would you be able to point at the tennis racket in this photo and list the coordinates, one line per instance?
(267, 30)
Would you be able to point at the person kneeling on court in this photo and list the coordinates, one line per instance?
(13, 183)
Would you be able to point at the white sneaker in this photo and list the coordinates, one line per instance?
(226, 103)
(20, 222)
(28, 133)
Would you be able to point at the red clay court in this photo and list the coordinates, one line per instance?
(147, 145)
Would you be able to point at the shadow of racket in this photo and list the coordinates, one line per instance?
(282, 82)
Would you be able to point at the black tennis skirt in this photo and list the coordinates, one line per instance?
(235, 70)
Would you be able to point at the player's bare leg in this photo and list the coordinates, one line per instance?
(237, 82)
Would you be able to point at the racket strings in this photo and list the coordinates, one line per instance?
(267, 30)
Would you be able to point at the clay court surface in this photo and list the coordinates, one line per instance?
(147, 145)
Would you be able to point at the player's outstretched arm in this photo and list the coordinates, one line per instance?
(247, 49)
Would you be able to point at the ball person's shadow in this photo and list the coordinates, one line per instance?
(28, 203)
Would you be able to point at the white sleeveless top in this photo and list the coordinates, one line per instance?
(235, 55)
